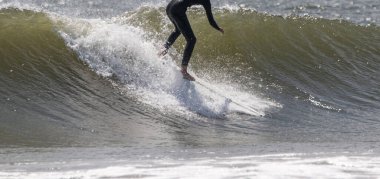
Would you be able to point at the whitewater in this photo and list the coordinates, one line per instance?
(291, 90)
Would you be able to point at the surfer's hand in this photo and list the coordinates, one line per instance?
(221, 30)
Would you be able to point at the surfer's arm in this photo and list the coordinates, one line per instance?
(210, 17)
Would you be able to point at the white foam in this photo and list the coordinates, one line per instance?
(320, 104)
(113, 49)
(20, 6)
(259, 166)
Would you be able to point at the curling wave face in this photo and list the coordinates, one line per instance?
(100, 79)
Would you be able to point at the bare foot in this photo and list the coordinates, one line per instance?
(186, 75)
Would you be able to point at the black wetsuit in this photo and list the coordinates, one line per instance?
(176, 11)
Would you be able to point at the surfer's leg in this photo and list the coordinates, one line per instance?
(170, 11)
(173, 36)
(184, 26)
(177, 15)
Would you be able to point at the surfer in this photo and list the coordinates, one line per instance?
(176, 10)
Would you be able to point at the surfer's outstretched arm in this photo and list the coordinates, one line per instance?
(210, 17)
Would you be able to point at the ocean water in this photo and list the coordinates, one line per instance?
(291, 90)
